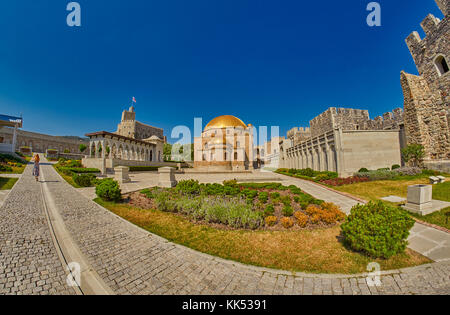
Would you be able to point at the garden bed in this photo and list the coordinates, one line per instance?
(251, 206)
(11, 165)
(317, 251)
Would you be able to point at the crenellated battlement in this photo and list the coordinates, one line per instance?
(426, 117)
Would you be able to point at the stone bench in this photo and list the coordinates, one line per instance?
(441, 179)
(434, 180)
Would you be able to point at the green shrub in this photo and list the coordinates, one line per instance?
(83, 180)
(308, 172)
(189, 187)
(109, 190)
(231, 183)
(5, 158)
(270, 210)
(147, 192)
(288, 211)
(275, 195)
(363, 170)
(263, 196)
(377, 229)
(395, 166)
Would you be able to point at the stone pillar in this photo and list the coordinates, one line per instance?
(121, 174)
(330, 159)
(14, 139)
(322, 158)
(103, 149)
(167, 177)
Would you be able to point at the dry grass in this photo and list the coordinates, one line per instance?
(316, 251)
(382, 188)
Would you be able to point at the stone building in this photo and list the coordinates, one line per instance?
(226, 144)
(134, 144)
(427, 96)
(40, 142)
(343, 140)
(131, 128)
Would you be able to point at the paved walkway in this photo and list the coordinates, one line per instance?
(133, 261)
(29, 263)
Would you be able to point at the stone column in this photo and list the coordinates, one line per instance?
(330, 158)
(103, 149)
(322, 158)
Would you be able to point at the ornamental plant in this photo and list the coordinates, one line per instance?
(270, 210)
(189, 187)
(271, 220)
(302, 219)
(83, 180)
(109, 190)
(377, 229)
(288, 211)
(287, 223)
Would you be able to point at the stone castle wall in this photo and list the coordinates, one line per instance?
(354, 119)
(427, 96)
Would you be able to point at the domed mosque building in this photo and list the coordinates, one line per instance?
(226, 144)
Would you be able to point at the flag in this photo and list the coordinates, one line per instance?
(134, 99)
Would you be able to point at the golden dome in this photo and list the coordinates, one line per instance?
(224, 122)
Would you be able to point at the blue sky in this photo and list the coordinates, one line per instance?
(267, 62)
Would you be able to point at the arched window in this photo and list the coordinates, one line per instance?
(441, 65)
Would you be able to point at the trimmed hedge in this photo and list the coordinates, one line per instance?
(377, 229)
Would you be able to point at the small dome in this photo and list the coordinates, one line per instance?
(224, 122)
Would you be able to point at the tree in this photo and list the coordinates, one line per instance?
(167, 151)
(413, 153)
(82, 147)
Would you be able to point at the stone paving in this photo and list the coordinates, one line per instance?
(29, 263)
(133, 261)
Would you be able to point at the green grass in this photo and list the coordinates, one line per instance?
(7, 183)
(315, 251)
(378, 189)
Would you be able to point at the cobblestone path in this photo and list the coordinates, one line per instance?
(29, 263)
(133, 261)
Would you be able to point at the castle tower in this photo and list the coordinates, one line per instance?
(427, 96)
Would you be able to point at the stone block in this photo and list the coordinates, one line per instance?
(121, 174)
(434, 180)
(441, 179)
(419, 199)
(167, 177)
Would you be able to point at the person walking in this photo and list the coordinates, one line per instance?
(36, 160)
